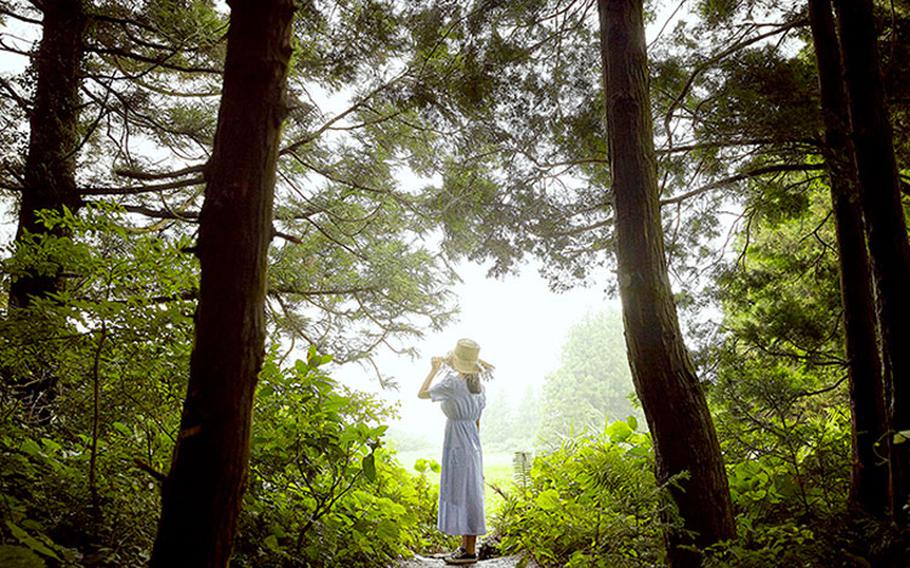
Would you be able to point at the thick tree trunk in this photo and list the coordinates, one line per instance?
(870, 481)
(50, 165)
(885, 227)
(664, 376)
(201, 498)
(49, 179)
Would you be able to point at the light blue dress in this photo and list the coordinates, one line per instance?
(461, 481)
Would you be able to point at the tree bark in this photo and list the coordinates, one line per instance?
(885, 226)
(49, 180)
(664, 376)
(201, 497)
(870, 479)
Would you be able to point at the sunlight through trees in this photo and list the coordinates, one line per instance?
(215, 209)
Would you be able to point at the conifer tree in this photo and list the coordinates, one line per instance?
(870, 481)
(886, 227)
(202, 495)
(686, 448)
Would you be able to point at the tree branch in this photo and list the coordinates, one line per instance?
(730, 144)
(150, 176)
(707, 63)
(141, 188)
(147, 468)
(159, 62)
(275, 290)
(777, 168)
(20, 17)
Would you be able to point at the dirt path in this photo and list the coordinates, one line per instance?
(431, 562)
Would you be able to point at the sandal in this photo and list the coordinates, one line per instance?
(460, 556)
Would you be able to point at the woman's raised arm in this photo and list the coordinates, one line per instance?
(435, 364)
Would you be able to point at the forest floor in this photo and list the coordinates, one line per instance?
(433, 561)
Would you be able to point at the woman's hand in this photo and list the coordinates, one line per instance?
(435, 364)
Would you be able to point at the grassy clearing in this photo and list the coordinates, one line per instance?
(497, 470)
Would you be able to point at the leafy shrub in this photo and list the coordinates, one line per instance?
(788, 455)
(779, 393)
(323, 490)
(109, 355)
(36, 486)
(782, 544)
(593, 502)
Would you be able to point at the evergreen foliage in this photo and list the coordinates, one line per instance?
(592, 385)
(511, 423)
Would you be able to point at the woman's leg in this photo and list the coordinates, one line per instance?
(466, 553)
(469, 543)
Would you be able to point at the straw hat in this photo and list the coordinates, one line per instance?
(465, 358)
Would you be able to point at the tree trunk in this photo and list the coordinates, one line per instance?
(870, 480)
(201, 497)
(50, 165)
(664, 376)
(885, 226)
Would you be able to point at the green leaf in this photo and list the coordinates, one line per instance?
(369, 466)
(548, 500)
(271, 542)
(618, 431)
(30, 447)
(638, 452)
(51, 445)
(30, 541)
(387, 530)
(19, 557)
(122, 428)
(632, 422)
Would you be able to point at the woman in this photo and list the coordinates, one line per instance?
(461, 482)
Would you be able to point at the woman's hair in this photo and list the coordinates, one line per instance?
(473, 379)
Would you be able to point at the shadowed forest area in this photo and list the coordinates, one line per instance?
(210, 206)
